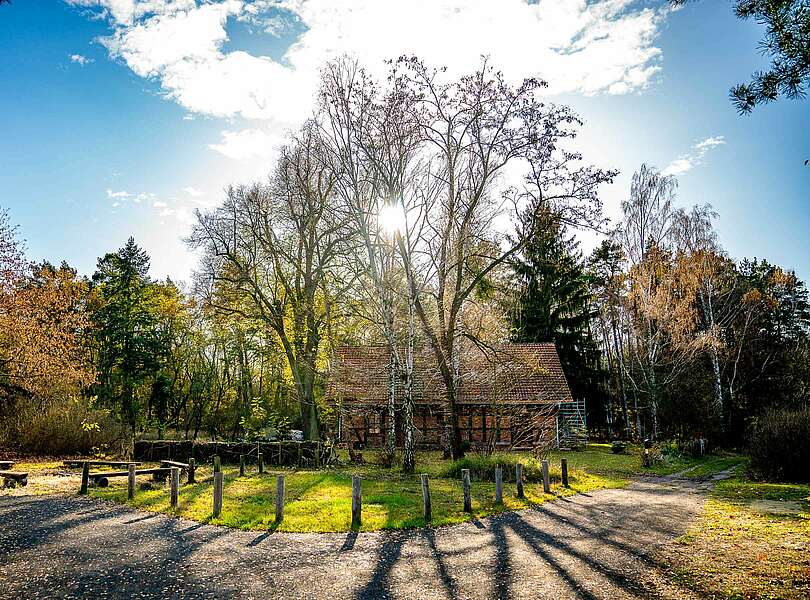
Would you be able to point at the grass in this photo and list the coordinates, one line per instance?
(320, 501)
(738, 551)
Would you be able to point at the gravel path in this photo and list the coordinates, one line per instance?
(598, 545)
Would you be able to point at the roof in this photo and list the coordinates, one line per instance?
(507, 374)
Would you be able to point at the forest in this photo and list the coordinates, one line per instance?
(415, 211)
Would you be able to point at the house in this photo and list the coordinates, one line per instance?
(510, 396)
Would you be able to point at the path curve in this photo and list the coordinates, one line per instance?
(598, 545)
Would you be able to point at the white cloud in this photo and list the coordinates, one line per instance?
(587, 47)
(248, 143)
(121, 195)
(687, 161)
(194, 192)
(159, 204)
(81, 60)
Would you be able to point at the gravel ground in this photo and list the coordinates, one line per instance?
(598, 545)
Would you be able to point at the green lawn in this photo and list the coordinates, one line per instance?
(321, 500)
(738, 550)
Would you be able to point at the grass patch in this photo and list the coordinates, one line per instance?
(320, 500)
(738, 551)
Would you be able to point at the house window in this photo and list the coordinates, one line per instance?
(374, 423)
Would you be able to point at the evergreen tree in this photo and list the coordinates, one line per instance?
(554, 303)
(130, 344)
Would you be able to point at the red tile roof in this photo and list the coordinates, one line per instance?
(508, 374)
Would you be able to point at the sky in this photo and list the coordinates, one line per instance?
(122, 118)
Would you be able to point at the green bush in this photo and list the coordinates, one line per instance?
(780, 445)
(482, 467)
(60, 428)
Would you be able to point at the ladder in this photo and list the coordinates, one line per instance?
(572, 430)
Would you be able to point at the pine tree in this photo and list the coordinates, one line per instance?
(554, 303)
(127, 327)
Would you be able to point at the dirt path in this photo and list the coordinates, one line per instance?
(598, 545)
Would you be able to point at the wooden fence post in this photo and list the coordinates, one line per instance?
(564, 467)
(192, 468)
(217, 494)
(465, 484)
(217, 464)
(279, 498)
(499, 485)
(131, 482)
(261, 463)
(174, 486)
(357, 501)
(519, 480)
(426, 508)
(85, 477)
(546, 485)
(241, 465)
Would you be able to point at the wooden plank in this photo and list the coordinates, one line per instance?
(427, 513)
(499, 485)
(100, 463)
(155, 471)
(6, 464)
(279, 498)
(173, 463)
(465, 484)
(357, 502)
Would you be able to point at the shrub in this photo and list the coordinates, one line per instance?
(482, 467)
(618, 447)
(780, 445)
(61, 427)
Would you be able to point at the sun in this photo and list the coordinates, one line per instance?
(391, 218)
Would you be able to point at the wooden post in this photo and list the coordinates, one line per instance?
(564, 467)
(192, 467)
(318, 454)
(174, 486)
(546, 486)
(261, 463)
(465, 484)
(357, 501)
(131, 482)
(85, 477)
(519, 480)
(217, 464)
(426, 509)
(241, 465)
(279, 498)
(499, 485)
(217, 494)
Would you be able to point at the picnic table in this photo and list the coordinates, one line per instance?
(102, 478)
(100, 463)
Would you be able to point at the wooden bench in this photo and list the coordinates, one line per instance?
(11, 478)
(5, 465)
(102, 479)
(174, 463)
(99, 463)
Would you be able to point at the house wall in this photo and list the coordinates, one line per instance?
(506, 427)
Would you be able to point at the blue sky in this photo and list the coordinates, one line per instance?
(121, 117)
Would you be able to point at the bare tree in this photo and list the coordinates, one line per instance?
(472, 130)
(270, 251)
